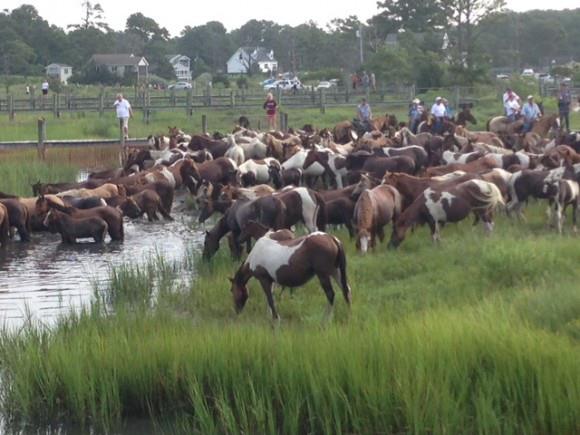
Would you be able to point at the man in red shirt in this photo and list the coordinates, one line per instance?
(271, 107)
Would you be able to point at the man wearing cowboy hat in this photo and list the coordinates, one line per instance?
(531, 113)
(415, 113)
(439, 112)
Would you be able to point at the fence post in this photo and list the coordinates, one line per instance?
(41, 148)
(54, 105)
(322, 96)
(279, 96)
(123, 150)
(204, 123)
(10, 107)
(346, 94)
(285, 122)
(208, 90)
(32, 99)
(101, 104)
(232, 98)
(189, 103)
(259, 124)
(456, 95)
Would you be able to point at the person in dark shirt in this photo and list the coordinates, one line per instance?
(564, 100)
(271, 106)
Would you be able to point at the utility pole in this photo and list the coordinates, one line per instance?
(359, 34)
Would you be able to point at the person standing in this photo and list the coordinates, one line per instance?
(44, 88)
(366, 81)
(124, 112)
(415, 113)
(531, 113)
(270, 106)
(373, 81)
(439, 112)
(564, 100)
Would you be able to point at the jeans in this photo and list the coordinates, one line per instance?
(565, 118)
(438, 126)
(528, 125)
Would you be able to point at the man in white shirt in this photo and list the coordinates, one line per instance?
(506, 96)
(124, 112)
(439, 111)
(512, 108)
(44, 87)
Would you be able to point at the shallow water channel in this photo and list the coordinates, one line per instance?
(45, 278)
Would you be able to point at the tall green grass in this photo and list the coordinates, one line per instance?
(477, 335)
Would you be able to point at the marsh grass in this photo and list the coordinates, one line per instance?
(477, 335)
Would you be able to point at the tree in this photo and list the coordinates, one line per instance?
(464, 16)
(93, 17)
(412, 15)
(146, 28)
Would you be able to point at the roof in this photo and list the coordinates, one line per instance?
(261, 54)
(62, 65)
(175, 57)
(116, 59)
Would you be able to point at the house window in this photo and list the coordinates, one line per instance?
(114, 68)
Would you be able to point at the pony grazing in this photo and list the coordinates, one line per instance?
(291, 262)
(438, 206)
(4, 225)
(374, 209)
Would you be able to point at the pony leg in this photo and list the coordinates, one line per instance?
(329, 291)
(267, 287)
(381, 233)
(559, 217)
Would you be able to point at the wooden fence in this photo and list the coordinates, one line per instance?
(149, 102)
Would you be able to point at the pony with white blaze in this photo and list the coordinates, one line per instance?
(279, 258)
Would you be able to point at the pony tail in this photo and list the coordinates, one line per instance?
(320, 212)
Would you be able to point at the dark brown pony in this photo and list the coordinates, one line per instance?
(291, 263)
(4, 225)
(71, 229)
(221, 170)
(112, 216)
(217, 148)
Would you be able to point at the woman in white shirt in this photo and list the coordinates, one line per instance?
(124, 112)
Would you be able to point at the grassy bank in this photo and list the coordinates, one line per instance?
(474, 336)
(20, 169)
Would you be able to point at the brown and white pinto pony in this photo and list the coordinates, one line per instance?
(291, 262)
(374, 209)
(439, 206)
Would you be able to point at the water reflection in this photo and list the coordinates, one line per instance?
(46, 278)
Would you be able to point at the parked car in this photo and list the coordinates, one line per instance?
(285, 85)
(179, 86)
(546, 78)
(326, 85)
(268, 82)
(502, 77)
(528, 72)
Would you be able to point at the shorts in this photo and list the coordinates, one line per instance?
(45, 92)
(124, 122)
(271, 115)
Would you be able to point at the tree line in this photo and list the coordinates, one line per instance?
(432, 42)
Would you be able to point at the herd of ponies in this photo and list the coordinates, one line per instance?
(262, 184)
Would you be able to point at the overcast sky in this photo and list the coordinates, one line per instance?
(175, 15)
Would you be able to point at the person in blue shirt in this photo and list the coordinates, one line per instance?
(415, 113)
(364, 114)
(531, 112)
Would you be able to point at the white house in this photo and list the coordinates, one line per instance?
(245, 57)
(181, 65)
(122, 64)
(59, 71)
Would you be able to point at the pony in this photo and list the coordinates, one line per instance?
(235, 151)
(564, 193)
(374, 209)
(112, 216)
(105, 191)
(4, 225)
(437, 206)
(18, 217)
(334, 164)
(291, 262)
(71, 229)
(255, 171)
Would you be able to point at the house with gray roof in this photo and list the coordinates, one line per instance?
(122, 64)
(59, 71)
(246, 57)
